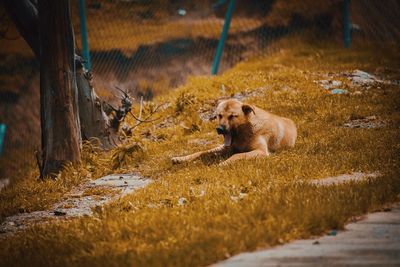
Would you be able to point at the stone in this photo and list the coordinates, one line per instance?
(339, 92)
(362, 78)
(182, 201)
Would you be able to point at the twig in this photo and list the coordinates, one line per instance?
(140, 110)
(145, 120)
(126, 95)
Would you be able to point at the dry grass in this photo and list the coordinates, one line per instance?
(28, 193)
(241, 207)
(127, 35)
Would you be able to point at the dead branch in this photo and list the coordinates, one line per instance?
(140, 110)
(119, 114)
(147, 119)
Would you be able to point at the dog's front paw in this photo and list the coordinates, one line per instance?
(177, 160)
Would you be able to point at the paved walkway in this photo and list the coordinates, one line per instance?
(79, 202)
(373, 241)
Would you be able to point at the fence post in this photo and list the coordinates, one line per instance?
(3, 128)
(84, 35)
(224, 34)
(346, 24)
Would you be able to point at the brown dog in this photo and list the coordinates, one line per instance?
(248, 132)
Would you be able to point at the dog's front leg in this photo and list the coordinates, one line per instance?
(220, 150)
(246, 155)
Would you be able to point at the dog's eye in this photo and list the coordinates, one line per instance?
(231, 117)
(219, 116)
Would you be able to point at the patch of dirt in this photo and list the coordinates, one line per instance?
(345, 178)
(370, 122)
(357, 78)
(81, 201)
(329, 84)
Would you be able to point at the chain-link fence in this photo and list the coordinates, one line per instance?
(150, 46)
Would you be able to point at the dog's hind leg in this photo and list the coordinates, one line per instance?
(220, 150)
(246, 155)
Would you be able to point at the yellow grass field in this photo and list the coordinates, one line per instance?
(241, 207)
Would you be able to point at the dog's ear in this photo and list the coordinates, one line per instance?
(219, 101)
(247, 109)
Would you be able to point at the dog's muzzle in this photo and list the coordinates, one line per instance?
(221, 129)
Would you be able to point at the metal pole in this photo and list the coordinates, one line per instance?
(346, 24)
(224, 35)
(3, 128)
(84, 35)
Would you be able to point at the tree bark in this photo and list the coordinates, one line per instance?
(93, 120)
(58, 90)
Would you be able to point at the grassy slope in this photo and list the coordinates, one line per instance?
(127, 36)
(150, 228)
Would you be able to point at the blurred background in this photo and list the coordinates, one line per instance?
(152, 46)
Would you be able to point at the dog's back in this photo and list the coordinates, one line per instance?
(279, 131)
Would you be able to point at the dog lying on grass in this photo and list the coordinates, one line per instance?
(249, 132)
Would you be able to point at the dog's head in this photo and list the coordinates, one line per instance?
(231, 115)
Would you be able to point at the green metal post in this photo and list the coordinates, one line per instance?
(346, 24)
(224, 35)
(84, 35)
(3, 128)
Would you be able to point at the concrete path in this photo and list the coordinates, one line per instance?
(372, 241)
(79, 202)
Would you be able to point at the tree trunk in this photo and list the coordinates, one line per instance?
(93, 120)
(58, 89)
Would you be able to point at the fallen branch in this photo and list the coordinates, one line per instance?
(147, 119)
